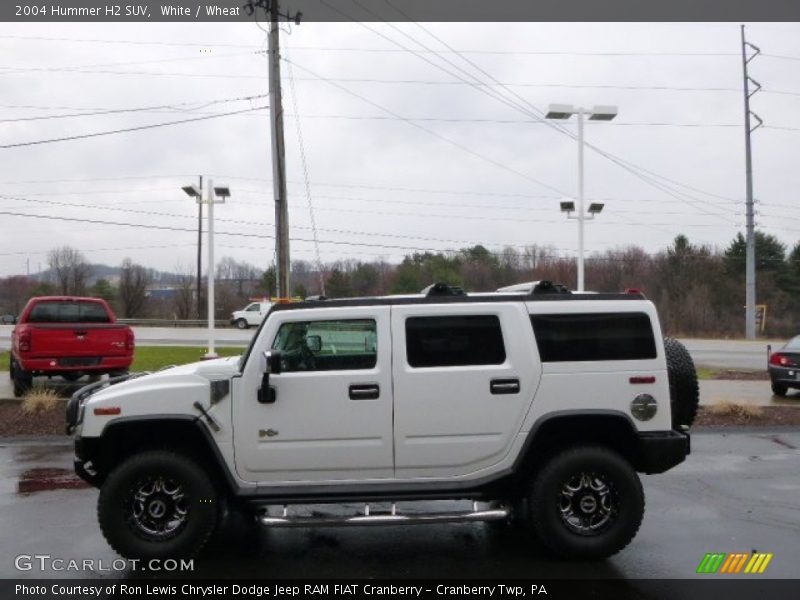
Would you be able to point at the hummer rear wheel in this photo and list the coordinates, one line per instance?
(586, 502)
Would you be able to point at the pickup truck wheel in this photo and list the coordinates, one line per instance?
(684, 393)
(22, 380)
(586, 503)
(241, 324)
(158, 504)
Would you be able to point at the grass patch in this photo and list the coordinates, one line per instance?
(706, 373)
(743, 412)
(40, 400)
(153, 358)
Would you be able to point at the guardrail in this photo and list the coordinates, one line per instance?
(219, 323)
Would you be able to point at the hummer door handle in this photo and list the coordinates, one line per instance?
(368, 391)
(504, 386)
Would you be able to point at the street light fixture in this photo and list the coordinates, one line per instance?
(567, 206)
(215, 195)
(192, 191)
(595, 208)
(598, 113)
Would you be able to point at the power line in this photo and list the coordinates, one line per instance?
(80, 68)
(525, 106)
(107, 111)
(120, 249)
(129, 129)
(427, 82)
(126, 42)
(691, 54)
(304, 163)
(252, 223)
(498, 164)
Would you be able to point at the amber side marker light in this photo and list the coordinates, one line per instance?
(650, 379)
(108, 410)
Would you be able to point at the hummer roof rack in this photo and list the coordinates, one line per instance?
(443, 289)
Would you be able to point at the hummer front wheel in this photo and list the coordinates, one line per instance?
(158, 504)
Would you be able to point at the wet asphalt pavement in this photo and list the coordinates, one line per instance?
(738, 492)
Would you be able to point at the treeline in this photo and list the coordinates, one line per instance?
(699, 290)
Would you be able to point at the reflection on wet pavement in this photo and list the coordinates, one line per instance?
(44, 479)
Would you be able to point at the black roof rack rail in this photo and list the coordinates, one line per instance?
(548, 287)
(443, 289)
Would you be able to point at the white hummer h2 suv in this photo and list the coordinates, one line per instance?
(539, 406)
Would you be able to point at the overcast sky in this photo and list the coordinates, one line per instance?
(401, 153)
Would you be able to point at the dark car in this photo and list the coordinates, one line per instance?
(8, 319)
(784, 367)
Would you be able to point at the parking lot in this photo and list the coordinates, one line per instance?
(738, 492)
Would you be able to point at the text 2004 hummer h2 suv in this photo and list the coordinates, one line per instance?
(539, 404)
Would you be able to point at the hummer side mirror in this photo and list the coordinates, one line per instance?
(272, 362)
(272, 365)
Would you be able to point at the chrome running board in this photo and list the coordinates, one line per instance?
(499, 513)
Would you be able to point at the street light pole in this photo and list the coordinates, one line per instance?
(580, 200)
(210, 200)
(214, 195)
(598, 113)
(199, 250)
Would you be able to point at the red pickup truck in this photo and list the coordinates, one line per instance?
(70, 337)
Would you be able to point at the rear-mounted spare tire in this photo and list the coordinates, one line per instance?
(684, 392)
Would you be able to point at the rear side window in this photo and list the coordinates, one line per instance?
(68, 312)
(454, 341)
(586, 337)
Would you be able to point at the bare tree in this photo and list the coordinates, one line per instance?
(133, 282)
(14, 293)
(70, 269)
(183, 300)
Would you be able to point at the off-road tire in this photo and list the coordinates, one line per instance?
(242, 324)
(625, 500)
(116, 506)
(780, 390)
(684, 392)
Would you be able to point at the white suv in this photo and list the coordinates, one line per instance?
(544, 405)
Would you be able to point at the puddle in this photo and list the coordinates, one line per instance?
(45, 480)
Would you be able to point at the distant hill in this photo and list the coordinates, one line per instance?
(100, 271)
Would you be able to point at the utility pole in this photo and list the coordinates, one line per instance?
(750, 267)
(278, 155)
(199, 252)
